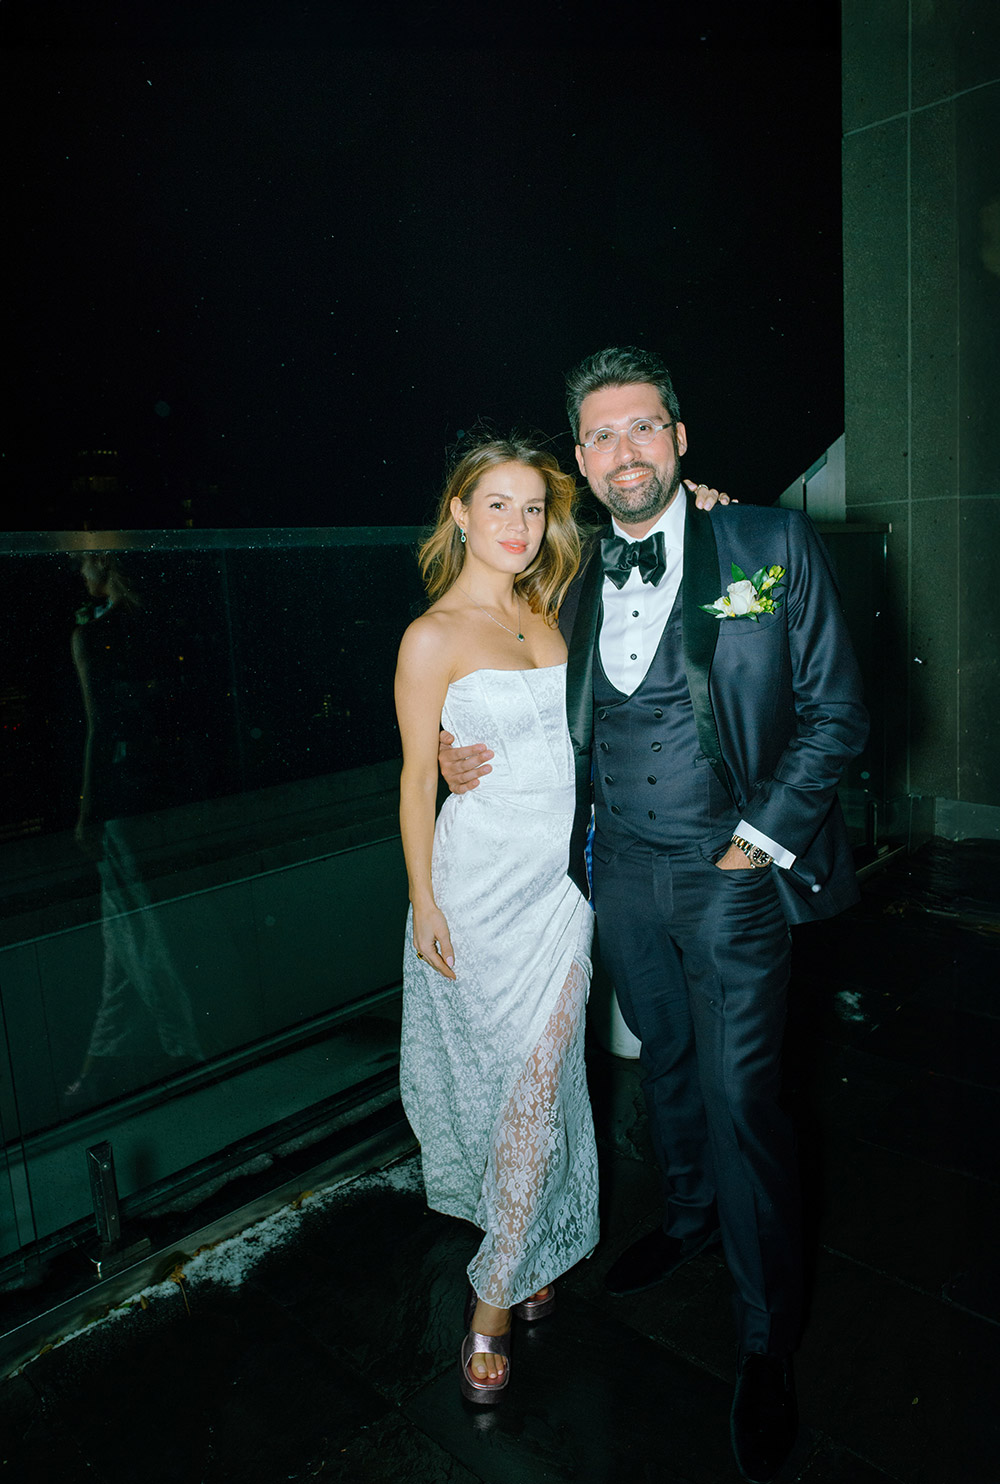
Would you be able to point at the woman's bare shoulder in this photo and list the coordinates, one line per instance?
(433, 639)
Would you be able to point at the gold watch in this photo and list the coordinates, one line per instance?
(754, 854)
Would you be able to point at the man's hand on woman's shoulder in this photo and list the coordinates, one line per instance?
(705, 498)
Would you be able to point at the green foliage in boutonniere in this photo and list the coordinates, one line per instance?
(748, 597)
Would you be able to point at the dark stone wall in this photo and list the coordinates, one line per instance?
(922, 364)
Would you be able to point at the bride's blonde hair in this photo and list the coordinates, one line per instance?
(542, 585)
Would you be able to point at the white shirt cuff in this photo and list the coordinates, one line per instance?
(780, 855)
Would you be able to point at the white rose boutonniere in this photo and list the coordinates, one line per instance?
(748, 597)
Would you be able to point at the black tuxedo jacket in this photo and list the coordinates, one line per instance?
(777, 702)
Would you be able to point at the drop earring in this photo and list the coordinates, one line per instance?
(462, 537)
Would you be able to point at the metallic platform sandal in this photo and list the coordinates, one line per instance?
(536, 1308)
(486, 1393)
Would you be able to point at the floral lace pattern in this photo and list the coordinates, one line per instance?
(540, 1189)
(492, 1069)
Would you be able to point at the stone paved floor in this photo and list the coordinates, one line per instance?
(336, 1358)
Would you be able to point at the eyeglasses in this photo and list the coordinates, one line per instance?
(642, 431)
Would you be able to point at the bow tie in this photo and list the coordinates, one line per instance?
(620, 556)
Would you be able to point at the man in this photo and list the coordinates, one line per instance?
(712, 719)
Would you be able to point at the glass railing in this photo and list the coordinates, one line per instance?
(203, 896)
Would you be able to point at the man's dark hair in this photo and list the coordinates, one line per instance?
(619, 365)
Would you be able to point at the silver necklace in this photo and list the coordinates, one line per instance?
(517, 600)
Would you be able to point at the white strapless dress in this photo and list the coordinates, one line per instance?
(492, 1068)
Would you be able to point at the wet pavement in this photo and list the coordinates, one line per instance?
(336, 1356)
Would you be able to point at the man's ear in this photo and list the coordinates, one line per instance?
(680, 432)
(581, 462)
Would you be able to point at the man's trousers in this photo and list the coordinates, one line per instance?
(700, 961)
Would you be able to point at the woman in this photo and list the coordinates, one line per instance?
(496, 965)
(131, 770)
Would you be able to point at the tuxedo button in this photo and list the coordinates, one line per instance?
(657, 713)
(815, 886)
(651, 814)
(605, 747)
(608, 780)
(615, 809)
(656, 746)
(650, 779)
(602, 715)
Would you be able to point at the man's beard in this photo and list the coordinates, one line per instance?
(632, 508)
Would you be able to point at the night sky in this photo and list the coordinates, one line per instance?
(278, 262)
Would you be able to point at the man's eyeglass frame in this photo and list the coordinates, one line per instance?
(629, 433)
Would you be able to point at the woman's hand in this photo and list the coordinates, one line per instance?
(432, 941)
(705, 498)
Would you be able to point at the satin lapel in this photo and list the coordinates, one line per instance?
(701, 585)
(580, 662)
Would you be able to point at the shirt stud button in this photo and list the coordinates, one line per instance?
(632, 656)
(635, 613)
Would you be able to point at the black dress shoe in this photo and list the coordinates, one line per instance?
(653, 1258)
(765, 1416)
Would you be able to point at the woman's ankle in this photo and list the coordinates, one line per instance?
(487, 1319)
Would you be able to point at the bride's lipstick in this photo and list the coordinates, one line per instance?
(516, 548)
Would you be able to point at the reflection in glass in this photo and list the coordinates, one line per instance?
(203, 889)
(126, 660)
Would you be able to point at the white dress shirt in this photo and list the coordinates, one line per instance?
(635, 616)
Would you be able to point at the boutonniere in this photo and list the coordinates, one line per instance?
(748, 597)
